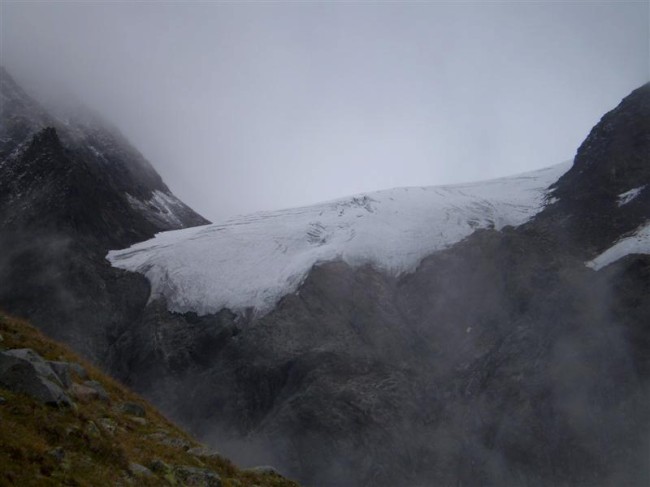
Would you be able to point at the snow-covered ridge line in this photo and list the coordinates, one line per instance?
(253, 260)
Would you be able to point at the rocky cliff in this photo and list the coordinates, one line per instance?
(70, 189)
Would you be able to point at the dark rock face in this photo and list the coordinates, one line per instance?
(612, 160)
(193, 476)
(80, 177)
(503, 360)
(24, 371)
(68, 193)
(539, 378)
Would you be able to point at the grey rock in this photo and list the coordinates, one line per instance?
(133, 409)
(2, 400)
(264, 470)
(197, 477)
(138, 470)
(63, 372)
(66, 370)
(165, 438)
(26, 372)
(84, 393)
(138, 420)
(40, 364)
(98, 388)
(203, 452)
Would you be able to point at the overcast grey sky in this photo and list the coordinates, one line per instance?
(254, 106)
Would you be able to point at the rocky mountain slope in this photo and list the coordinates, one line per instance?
(515, 353)
(63, 422)
(81, 173)
(70, 189)
(501, 360)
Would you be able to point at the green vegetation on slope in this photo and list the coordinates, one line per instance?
(114, 440)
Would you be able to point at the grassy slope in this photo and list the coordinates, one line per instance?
(30, 430)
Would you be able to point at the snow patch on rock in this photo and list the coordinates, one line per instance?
(160, 208)
(252, 261)
(638, 243)
(625, 198)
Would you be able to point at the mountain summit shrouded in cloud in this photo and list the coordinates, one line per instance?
(479, 332)
(485, 334)
(70, 189)
(255, 107)
(80, 154)
(492, 333)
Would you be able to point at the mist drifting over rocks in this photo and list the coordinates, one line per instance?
(500, 360)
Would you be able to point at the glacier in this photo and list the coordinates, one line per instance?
(247, 263)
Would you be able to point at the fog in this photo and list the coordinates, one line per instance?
(255, 106)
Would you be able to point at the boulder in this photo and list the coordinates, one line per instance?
(138, 420)
(62, 370)
(164, 438)
(40, 364)
(203, 452)
(138, 470)
(24, 371)
(66, 370)
(197, 477)
(83, 393)
(133, 409)
(98, 388)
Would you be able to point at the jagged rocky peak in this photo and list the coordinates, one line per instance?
(606, 194)
(614, 158)
(20, 115)
(94, 160)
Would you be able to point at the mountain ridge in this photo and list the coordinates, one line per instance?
(63, 204)
(120, 172)
(500, 360)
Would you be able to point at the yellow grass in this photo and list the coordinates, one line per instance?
(31, 431)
